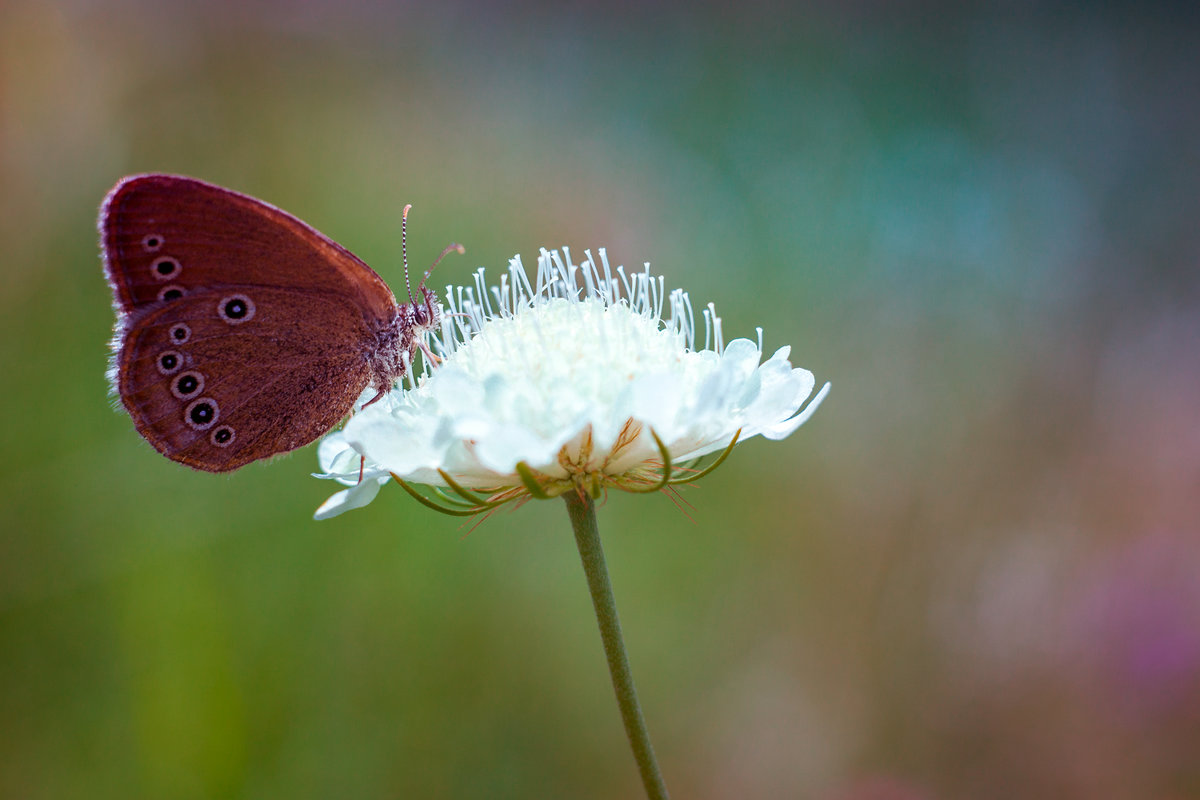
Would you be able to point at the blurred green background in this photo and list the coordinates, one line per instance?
(974, 574)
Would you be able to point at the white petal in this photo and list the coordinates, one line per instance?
(455, 391)
(783, 392)
(787, 427)
(399, 442)
(349, 499)
(656, 400)
(505, 446)
(741, 357)
(338, 459)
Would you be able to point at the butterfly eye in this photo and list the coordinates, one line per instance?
(187, 385)
(421, 315)
(171, 292)
(180, 333)
(170, 361)
(236, 309)
(165, 268)
(201, 414)
(222, 436)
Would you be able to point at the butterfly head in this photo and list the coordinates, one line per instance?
(426, 314)
(418, 318)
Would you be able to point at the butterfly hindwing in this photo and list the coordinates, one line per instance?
(216, 392)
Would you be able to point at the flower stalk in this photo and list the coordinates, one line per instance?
(582, 510)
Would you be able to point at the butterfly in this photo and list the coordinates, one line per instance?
(241, 331)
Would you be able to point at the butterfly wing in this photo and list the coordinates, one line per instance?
(242, 332)
(163, 230)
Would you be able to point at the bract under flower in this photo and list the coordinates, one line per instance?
(570, 380)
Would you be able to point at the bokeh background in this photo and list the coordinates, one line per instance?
(974, 574)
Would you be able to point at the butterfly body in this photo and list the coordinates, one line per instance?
(241, 331)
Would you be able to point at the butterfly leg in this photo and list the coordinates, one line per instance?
(429, 354)
(378, 395)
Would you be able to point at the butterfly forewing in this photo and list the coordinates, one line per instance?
(160, 231)
(242, 332)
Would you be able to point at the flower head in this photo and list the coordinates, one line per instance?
(578, 381)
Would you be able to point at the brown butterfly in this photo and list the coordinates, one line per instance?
(241, 331)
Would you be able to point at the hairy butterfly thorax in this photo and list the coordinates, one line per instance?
(396, 343)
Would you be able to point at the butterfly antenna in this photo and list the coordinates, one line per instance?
(450, 248)
(404, 248)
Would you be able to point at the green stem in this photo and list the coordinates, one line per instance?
(587, 537)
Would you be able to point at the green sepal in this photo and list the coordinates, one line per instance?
(466, 494)
(666, 469)
(425, 501)
(531, 482)
(697, 476)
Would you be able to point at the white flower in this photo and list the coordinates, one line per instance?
(578, 381)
